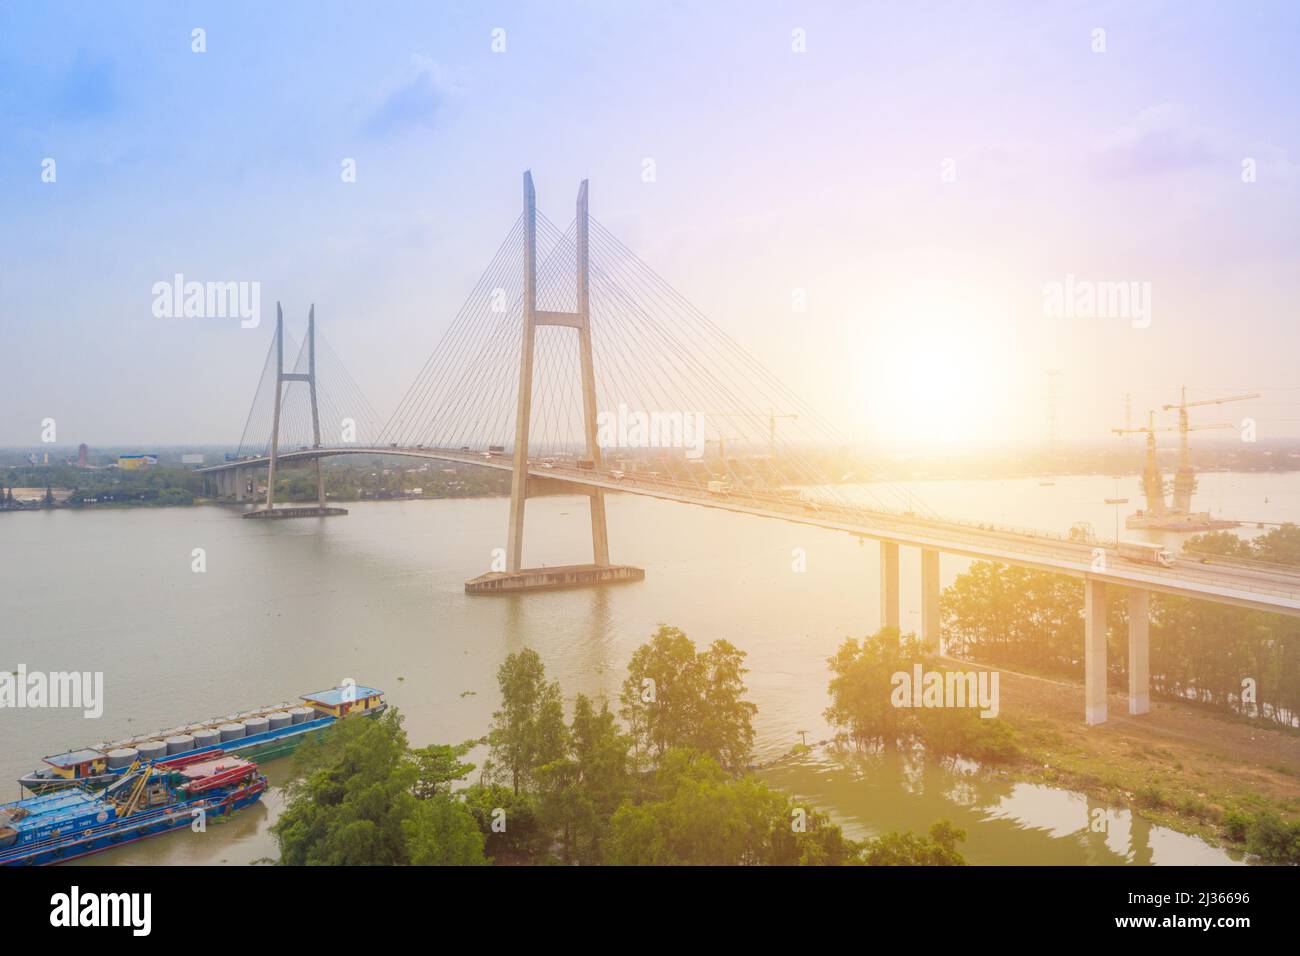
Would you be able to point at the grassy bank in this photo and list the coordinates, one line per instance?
(1218, 777)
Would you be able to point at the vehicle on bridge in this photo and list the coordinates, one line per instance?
(1083, 532)
(1147, 553)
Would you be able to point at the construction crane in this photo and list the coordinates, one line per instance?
(1185, 478)
(1153, 483)
(771, 415)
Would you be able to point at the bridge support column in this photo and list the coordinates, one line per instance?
(516, 577)
(524, 400)
(315, 412)
(599, 529)
(1139, 652)
(930, 635)
(275, 422)
(281, 376)
(889, 613)
(1094, 651)
(241, 484)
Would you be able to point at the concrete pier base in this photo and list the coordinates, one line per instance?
(561, 576)
(309, 511)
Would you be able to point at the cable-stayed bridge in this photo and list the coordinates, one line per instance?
(576, 368)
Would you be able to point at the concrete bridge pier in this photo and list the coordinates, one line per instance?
(1094, 651)
(241, 484)
(1139, 652)
(889, 603)
(1094, 660)
(930, 635)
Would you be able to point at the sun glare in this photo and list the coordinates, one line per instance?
(928, 380)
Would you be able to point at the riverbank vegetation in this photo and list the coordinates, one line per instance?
(661, 782)
(864, 703)
(167, 485)
(1230, 659)
(1232, 664)
(159, 486)
(1181, 766)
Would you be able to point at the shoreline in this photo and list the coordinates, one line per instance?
(1179, 766)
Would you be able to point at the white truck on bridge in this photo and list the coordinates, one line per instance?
(1147, 553)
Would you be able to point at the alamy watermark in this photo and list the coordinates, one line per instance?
(1083, 299)
(74, 690)
(179, 299)
(629, 428)
(75, 908)
(923, 688)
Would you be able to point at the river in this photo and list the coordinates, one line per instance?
(288, 607)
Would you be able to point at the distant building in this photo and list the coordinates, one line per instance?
(136, 462)
(191, 459)
(82, 453)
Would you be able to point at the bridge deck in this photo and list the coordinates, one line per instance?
(1273, 590)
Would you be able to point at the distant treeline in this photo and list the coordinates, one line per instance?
(158, 486)
(1200, 651)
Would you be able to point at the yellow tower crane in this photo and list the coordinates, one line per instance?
(1185, 478)
(1153, 483)
(771, 415)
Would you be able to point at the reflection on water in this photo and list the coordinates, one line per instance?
(295, 606)
(1006, 822)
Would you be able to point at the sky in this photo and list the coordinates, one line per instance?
(920, 176)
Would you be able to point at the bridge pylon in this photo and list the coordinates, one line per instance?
(522, 485)
(281, 377)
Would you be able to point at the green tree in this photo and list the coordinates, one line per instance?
(441, 831)
(580, 791)
(675, 696)
(1218, 542)
(439, 767)
(354, 790)
(354, 801)
(698, 814)
(509, 822)
(861, 688)
(908, 849)
(528, 731)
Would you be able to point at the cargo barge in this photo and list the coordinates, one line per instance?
(264, 733)
(146, 800)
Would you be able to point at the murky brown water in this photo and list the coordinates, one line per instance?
(289, 607)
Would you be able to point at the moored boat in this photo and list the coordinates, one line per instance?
(147, 800)
(264, 733)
